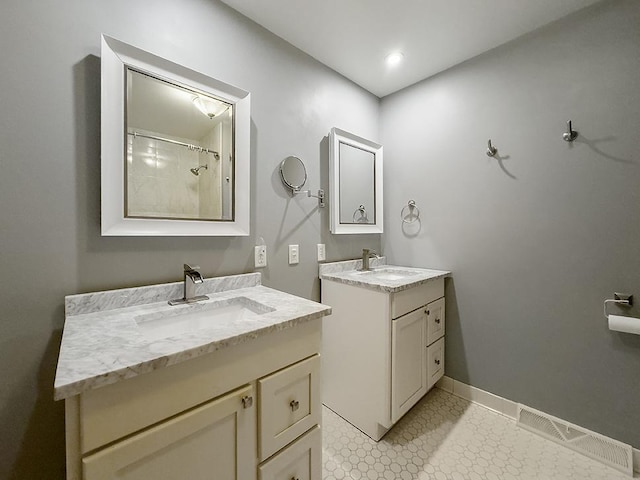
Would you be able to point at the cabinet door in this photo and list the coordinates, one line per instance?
(435, 320)
(215, 440)
(408, 362)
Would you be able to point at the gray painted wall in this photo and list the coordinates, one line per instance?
(539, 236)
(49, 183)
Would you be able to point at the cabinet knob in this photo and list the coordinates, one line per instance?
(437, 361)
(247, 401)
(437, 320)
(295, 478)
(294, 404)
(427, 312)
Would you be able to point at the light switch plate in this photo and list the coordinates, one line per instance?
(322, 252)
(260, 252)
(294, 255)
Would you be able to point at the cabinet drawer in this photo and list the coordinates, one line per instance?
(408, 300)
(435, 320)
(301, 460)
(289, 404)
(435, 362)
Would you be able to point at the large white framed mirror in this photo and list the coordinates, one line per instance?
(175, 148)
(355, 183)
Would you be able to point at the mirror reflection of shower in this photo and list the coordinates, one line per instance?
(196, 171)
(174, 166)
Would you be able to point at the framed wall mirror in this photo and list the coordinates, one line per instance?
(355, 181)
(175, 148)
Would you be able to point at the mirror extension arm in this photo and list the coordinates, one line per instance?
(319, 196)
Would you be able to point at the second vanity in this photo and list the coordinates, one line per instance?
(228, 386)
(383, 346)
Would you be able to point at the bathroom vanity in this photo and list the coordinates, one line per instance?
(228, 385)
(383, 346)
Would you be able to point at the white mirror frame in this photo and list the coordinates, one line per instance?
(116, 56)
(336, 137)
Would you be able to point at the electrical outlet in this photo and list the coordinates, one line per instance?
(260, 252)
(294, 254)
(322, 253)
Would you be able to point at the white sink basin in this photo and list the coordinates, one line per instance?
(183, 319)
(389, 274)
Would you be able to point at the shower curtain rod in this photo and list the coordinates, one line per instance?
(175, 142)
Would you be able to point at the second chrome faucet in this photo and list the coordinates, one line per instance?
(192, 277)
(366, 255)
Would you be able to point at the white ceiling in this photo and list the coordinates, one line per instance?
(354, 36)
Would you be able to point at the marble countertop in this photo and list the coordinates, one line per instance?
(102, 342)
(349, 272)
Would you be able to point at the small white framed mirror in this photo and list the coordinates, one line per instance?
(355, 182)
(175, 148)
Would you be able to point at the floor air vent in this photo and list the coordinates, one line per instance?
(603, 449)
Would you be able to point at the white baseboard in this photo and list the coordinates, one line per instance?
(488, 400)
(498, 404)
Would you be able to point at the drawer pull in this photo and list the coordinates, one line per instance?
(437, 361)
(295, 478)
(247, 401)
(294, 404)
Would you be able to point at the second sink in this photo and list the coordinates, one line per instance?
(389, 274)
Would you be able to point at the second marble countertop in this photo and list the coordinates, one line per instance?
(409, 277)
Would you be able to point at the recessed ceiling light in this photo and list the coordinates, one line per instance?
(394, 59)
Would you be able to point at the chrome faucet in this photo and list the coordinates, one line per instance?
(366, 255)
(192, 277)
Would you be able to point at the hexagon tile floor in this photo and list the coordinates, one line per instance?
(445, 437)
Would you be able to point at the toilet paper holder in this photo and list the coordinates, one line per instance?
(622, 299)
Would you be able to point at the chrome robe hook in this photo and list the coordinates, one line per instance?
(491, 150)
(570, 135)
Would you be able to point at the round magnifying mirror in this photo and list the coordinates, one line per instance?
(293, 173)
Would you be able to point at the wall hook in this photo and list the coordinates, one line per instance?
(570, 135)
(491, 150)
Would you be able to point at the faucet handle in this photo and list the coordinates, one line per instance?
(189, 268)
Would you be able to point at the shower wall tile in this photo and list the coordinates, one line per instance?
(159, 178)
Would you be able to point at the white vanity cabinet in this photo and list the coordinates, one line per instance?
(244, 412)
(382, 351)
(417, 355)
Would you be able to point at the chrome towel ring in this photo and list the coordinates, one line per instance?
(362, 218)
(410, 213)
